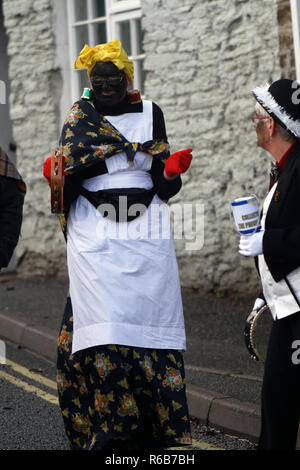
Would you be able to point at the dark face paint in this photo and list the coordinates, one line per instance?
(108, 83)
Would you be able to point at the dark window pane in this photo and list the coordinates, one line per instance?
(139, 65)
(99, 33)
(125, 36)
(82, 37)
(80, 8)
(98, 8)
(83, 81)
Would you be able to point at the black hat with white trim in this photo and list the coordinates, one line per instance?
(281, 100)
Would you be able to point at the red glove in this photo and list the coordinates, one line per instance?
(47, 169)
(178, 162)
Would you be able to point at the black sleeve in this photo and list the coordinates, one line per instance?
(159, 126)
(261, 296)
(281, 243)
(11, 214)
(165, 189)
(72, 185)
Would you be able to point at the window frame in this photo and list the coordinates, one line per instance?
(135, 56)
(116, 12)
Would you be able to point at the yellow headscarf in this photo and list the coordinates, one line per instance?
(109, 52)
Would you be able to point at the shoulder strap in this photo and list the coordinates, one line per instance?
(57, 181)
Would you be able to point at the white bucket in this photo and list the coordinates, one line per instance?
(245, 212)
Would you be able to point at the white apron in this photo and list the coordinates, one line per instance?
(124, 282)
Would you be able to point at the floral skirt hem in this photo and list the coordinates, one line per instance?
(114, 396)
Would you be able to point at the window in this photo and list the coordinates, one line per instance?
(94, 22)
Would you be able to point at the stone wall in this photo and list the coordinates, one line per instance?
(202, 60)
(35, 89)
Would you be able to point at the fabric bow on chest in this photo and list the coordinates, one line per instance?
(88, 136)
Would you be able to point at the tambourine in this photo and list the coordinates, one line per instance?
(250, 334)
(57, 182)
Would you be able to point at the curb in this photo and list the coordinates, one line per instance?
(38, 339)
(226, 413)
(210, 408)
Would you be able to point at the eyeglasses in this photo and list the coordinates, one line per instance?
(112, 79)
(259, 117)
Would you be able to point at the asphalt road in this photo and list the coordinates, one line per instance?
(27, 421)
(30, 417)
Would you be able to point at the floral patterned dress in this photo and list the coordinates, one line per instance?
(120, 397)
(114, 394)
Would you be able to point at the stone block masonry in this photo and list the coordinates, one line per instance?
(202, 60)
(34, 99)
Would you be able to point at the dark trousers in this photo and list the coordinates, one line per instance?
(281, 386)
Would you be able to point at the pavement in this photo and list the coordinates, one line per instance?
(223, 382)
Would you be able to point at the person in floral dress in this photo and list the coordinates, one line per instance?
(120, 370)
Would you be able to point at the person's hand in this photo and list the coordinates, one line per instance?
(47, 169)
(258, 304)
(251, 245)
(177, 163)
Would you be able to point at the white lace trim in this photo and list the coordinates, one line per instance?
(271, 105)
